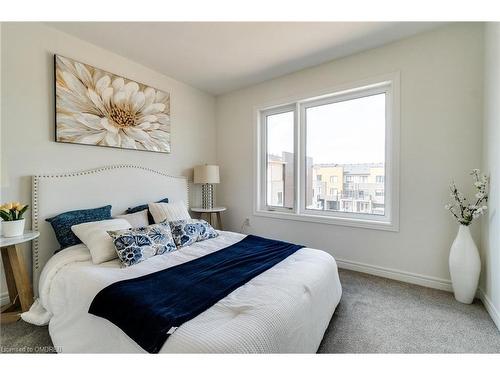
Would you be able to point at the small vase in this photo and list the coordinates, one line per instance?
(465, 266)
(13, 228)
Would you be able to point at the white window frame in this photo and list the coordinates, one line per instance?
(388, 84)
(263, 158)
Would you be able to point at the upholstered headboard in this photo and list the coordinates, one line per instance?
(121, 186)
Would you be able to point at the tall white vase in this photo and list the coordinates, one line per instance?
(465, 266)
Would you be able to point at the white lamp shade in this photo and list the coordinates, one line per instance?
(206, 174)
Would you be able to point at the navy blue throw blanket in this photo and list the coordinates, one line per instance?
(150, 307)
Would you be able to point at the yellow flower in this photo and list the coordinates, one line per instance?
(17, 206)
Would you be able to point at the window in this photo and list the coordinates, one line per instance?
(280, 160)
(332, 129)
(332, 158)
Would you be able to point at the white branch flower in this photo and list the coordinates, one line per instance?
(466, 212)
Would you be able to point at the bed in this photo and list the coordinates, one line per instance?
(285, 309)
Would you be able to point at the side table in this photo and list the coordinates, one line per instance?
(18, 281)
(209, 212)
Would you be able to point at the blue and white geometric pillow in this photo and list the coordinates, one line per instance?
(138, 244)
(187, 232)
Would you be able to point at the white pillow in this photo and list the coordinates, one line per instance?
(95, 236)
(169, 211)
(136, 219)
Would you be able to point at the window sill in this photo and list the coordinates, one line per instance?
(347, 222)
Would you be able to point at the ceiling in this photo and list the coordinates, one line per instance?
(219, 57)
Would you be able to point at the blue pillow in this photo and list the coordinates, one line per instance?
(62, 223)
(143, 207)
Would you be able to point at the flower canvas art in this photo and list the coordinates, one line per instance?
(95, 107)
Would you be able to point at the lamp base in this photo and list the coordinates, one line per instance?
(207, 196)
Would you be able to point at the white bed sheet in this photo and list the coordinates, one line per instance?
(283, 310)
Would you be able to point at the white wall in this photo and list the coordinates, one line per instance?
(441, 114)
(490, 225)
(27, 110)
(1, 164)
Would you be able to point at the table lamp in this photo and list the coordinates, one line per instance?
(207, 175)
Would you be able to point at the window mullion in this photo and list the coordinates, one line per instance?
(301, 150)
(298, 164)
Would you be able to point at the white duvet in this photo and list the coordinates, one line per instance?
(283, 310)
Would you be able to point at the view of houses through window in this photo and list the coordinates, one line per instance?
(344, 161)
(338, 187)
(347, 187)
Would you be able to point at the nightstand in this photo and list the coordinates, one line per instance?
(208, 212)
(18, 281)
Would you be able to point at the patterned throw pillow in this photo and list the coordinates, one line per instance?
(138, 244)
(187, 232)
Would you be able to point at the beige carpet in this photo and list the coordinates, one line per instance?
(375, 315)
(378, 315)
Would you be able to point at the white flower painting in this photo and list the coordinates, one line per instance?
(95, 107)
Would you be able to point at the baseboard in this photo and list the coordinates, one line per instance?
(389, 273)
(494, 313)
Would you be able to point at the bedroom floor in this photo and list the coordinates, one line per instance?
(375, 315)
(378, 315)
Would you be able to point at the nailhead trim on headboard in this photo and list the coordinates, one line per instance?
(34, 219)
(35, 180)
